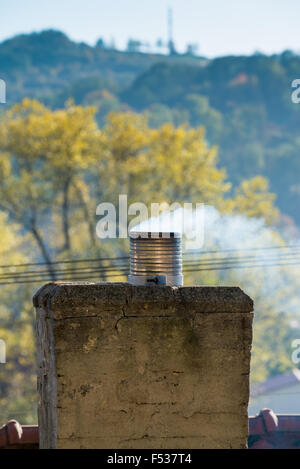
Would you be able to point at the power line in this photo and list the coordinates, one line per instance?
(67, 261)
(42, 273)
(86, 272)
(265, 248)
(219, 262)
(295, 247)
(241, 266)
(239, 260)
(63, 279)
(95, 273)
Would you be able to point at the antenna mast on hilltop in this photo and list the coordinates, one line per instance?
(170, 32)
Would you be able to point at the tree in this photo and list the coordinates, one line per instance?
(191, 49)
(18, 374)
(184, 167)
(168, 163)
(56, 166)
(101, 43)
(253, 199)
(133, 45)
(273, 336)
(160, 44)
(44, 156)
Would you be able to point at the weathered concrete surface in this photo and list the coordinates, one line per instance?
(124, 366)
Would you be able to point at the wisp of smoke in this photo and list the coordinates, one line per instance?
(247, 252)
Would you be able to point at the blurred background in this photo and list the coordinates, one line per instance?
(163, 101)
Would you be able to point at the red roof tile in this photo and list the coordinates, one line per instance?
(14, 435)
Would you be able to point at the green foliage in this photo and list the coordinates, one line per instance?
(46, 64)
(243, 102)
(271, 349)
(245, 105)
(17, 376)
(57, 164)
(62, 165)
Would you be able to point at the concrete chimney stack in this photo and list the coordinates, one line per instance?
(155, 258)
(143, 366)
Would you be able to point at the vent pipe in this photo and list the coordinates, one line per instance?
(155, 258)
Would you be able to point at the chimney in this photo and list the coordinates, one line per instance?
(125, 365)
(155, 258)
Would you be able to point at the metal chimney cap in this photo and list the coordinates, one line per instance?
(155, 258)
(154, 234)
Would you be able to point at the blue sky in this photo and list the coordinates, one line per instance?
(219, 26)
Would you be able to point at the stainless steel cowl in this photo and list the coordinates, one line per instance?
(155, 258)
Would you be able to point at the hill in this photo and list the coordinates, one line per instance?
(40, 64)
(244, 102)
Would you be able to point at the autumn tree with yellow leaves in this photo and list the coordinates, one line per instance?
(56, 166)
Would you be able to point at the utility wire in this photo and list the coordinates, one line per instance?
(242, 260)
(241, 266)
(187, 253)
(86, 272)
(216, 251)
(247, 261)
(42, 273)
(67, 261)
(95, 273)
(63, 279)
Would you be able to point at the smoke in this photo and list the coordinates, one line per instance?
(241, 250)
(186, 221)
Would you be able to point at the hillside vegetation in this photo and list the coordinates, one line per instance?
(243, 102)
(55, 168)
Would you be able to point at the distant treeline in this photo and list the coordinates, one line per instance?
(243, 102)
